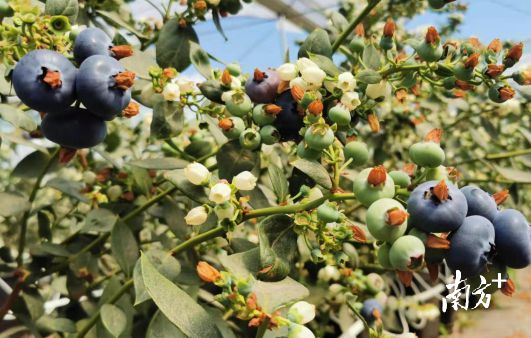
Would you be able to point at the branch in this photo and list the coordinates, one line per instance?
(496, 156)
(354, 23)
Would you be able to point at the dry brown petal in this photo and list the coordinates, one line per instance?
(515, 53)
(441, 191)
(225, 124)
(207, 272)
(52, 78)
(373, 123)
(272, 109)
(316, 107)
(433, 270)
(131, 110)
(389, 28)
(66, 155)
(401, 95)
(432, 36)
(377, 176)
(258, 75)
(297, 93)
(501, 196)
(436, 242)
(409, 168)
(494, 70)
(463, 85)
(509, 288)
(434, 135)
(506, 93)
(472, 61)
(124, 80)
(396, 217)
(121, 51)
(405, 277)
(359, 30)
(495, 46)
(226, 78)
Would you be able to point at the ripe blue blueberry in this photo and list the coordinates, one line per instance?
(288, 121)
(262, 88)
(44, 80)
(103, 86)
(371, 310)
(513, 241)
(436, 207)
(74, 128)
(480, 202)
(471, 246)
(94, 41)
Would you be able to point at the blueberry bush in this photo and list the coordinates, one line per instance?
(336, 192)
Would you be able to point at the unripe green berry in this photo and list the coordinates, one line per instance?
(269, 134)
(307, 153)
(250, 139)
(339, 114)
(400, 178)
(319, 138)
(357, 151)
(427, 154)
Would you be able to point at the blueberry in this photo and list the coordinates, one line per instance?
(74, 128)
(407, 253)
(262, 88)
(371, 310)
(44, 80)
(513, 242)
(436, 207)
(471, 246)
(288, 121)
(372, 184)
(479, 202)
(103, 86)
(386, 220)
(94, 41)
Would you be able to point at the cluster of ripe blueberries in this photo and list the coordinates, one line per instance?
(48, 82)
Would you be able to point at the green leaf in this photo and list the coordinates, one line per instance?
(114, 319)
(315, 171)
(139, 63)
(271, 295)
(12, 204)
(176, 305)
(49, 324)
(173, 45)
(317, 42)
(124, 247)
(166, 264)
(278, 244)
(116, 19)
(49, 249)
(32, 165)
(164, 163)
(339, 21)
(168, 120)
(233, 159)
(325, 63)
(369, 76)
(194, 192)
(161, 327)
(69, 188)
(200, 60)
(17, 117)
(514, 174)
(99, 220)
(371, 57)
(257, 198)
(217, 22)
(279, 182)
(68, 8)
(142, 180)
(44, 225)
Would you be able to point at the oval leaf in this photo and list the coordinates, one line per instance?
(315, 170)
(124, 247)
(17, 117)
(369, 76)
(165, 163)
(176, 305)
(114, 319)
(68, 8)
(173, 45)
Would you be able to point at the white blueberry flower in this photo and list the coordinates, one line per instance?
(220, 193)
(196, 173)
(299, 82)
(346, 82)
(244, 181)
(304, 63)
(313, 75)
(235, 83)
(196, 216)
(329, 273)
(224, 211)
(301, 312)
(287, 71)
(351, 100)
(171, 92)
(377, 90)
(185, 84)
(299, 331)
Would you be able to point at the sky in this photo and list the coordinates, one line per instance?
(254, 38)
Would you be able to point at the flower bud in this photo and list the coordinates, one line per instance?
(220, 193)
(287, 72)
(196, 173)
(513, 55)
(299, 331)
(207, 272)
(522, 77)
(494, 71)
(329, 273)
(224, 211)
(495, 46)
(196, 216)
(171, 92)
(244, 181)
(313, 75)
(375, 91)
(389, 28)
(304, 63)
(351, 100)
(301, 312)
(346, 82)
